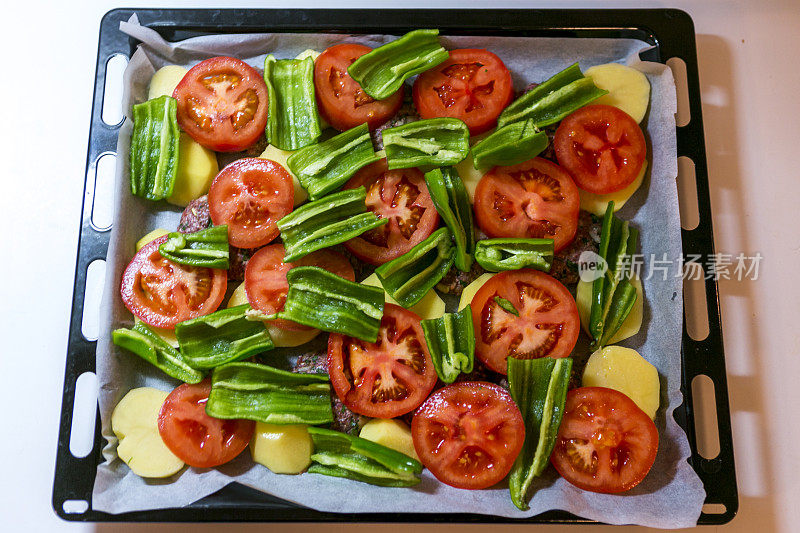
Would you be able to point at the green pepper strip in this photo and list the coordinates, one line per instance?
(323, 300)
(382, 71)
(154, 148)
(341, 455)
(451, 343)
(613, 295)
(324, 167)
(408, 278)
(334, 219)
(145, 343)
(436, 142)
(552, 100)
(205, 248)
(221, 337)
(260, 392)
(496, 255)
(539, 387)
(452, 202)
(293, 121)
(509, 145)
(506, 305)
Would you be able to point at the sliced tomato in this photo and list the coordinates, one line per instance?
(387, 378)
(250, 195)
(342, 102)
(536, 199)
(222, 104)
(605, 442)
(265, 278)
(468, 434)
(547, 325)
(198, 439)
(401, 196)
(602, 147)
(162, 293)
(473, 85)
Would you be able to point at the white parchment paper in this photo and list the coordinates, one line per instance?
(670, 497)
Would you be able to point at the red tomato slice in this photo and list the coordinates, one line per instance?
(265, 278)
(222, 104)
(602, 147)
(536, 199)
(473, 85)
(342, 102)
(401, 196)
(162, 293)
(250, 195)
(547, 325)
(468, 434)
(605, 442)
(388, 378)
(196, 438)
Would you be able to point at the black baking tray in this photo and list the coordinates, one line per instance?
(671, 34)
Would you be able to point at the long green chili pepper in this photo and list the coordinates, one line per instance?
(436, 142)
(552, 100)
(619, 308)
(408, 278)
(340, 455)
(145, 343)
(509, 145)
(451, 200)
(451, 343)
(292, 120)
(154, 148)
(539, 387)
(325, 301)
(334, 219)
(324, 167)
(266, 394)
(205, 248)
(496, 255)
(382, 71)
(221, 337)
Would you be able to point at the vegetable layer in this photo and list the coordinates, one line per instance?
(452, 202)
(496, 255)
(293, 121)
(145, 343)
(205, 248)
(436, 142)
(451, 343)
(154, 148)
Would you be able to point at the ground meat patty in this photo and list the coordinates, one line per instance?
(196, 216)
(587, 238)
(455, 280)
(238, 258)
(345, 420)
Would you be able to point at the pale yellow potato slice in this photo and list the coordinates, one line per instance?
(431, 306)
(135, 423)
(470, 175)
(628, 88)
(165, 80)
(281, 338)
(391, 433)
(284, 449)
(281, 157)
(150, 237)
(632, 323)
(197, 168)
(624, 370)
(313, 54)
(598, 203)
(469, 291)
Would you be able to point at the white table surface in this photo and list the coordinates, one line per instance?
(750, 81)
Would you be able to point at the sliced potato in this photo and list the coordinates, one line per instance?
(281, 338)
(431, 306)
(598, 203)
(164, 81)
(150, 237)
(197, 168)
(623, 369)
(274, 153)
(135, 423)
(284, 449)
(470, 175)
(313, 54)
(167, 335)
(469, 291)
(633, 322)
(628, 89)
(391, 433)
